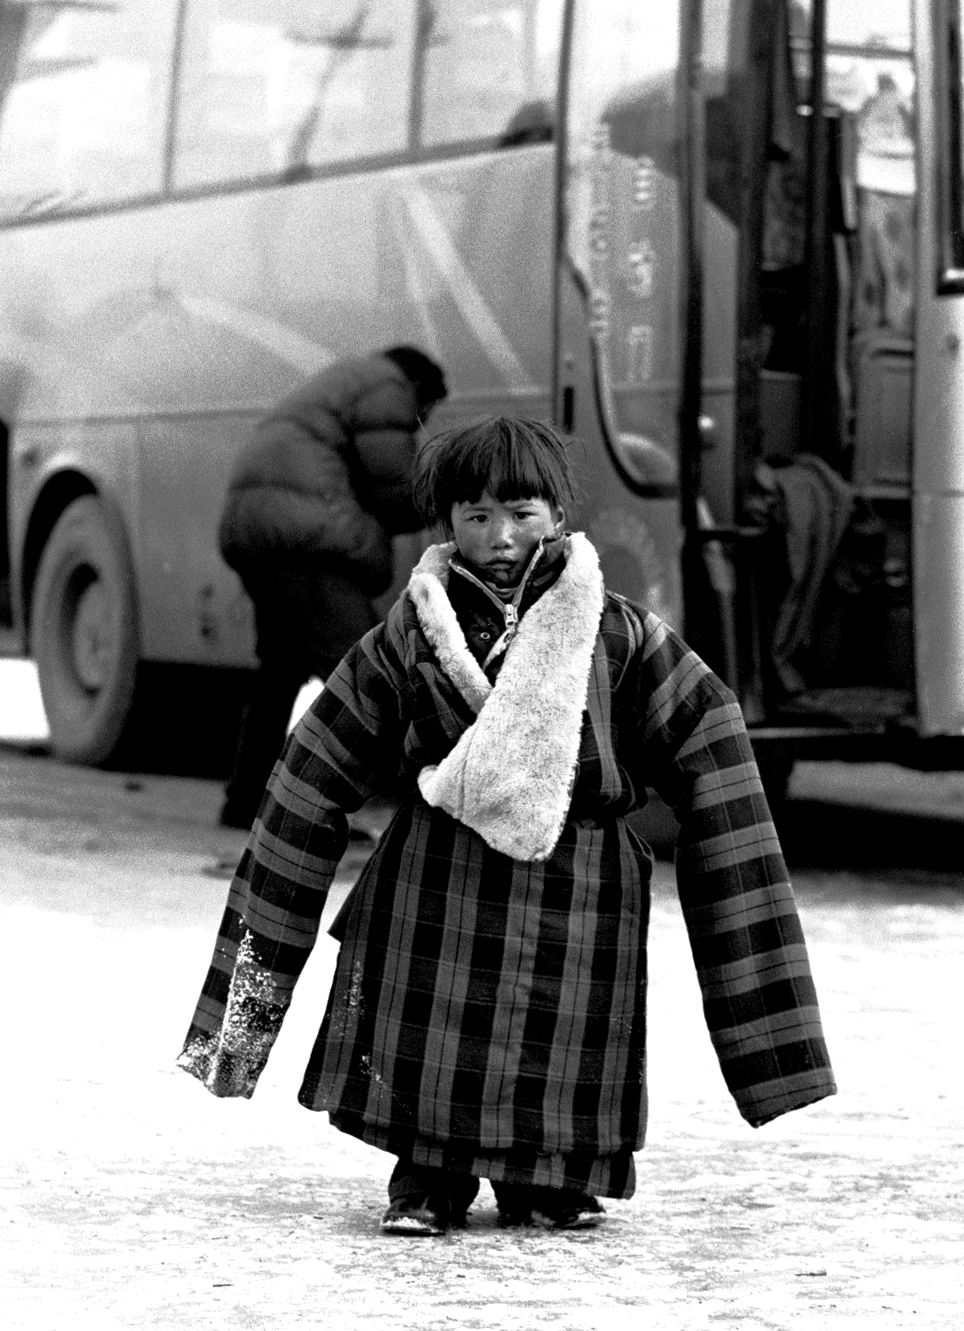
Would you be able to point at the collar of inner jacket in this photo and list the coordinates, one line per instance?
(485, 613)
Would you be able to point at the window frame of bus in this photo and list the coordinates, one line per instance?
(94, 204)
(949, 163)
(169, 187)
(412, 150)
(226, 181)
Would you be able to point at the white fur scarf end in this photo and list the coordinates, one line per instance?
(510, 775)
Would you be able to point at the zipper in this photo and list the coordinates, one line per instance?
(510, 609)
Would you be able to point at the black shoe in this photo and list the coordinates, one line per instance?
(430, 1213)
(414, 1216)
(576, 1210)
(547, 1208)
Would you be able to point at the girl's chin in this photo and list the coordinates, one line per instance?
(503, 577)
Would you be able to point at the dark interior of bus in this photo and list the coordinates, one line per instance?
(823, 431)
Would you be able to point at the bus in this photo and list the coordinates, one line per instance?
(719, 242)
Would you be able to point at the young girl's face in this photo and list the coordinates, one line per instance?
(499, 537)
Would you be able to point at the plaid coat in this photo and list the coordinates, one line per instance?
(485, 1004)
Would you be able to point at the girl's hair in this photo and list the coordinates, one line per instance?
(510, 457)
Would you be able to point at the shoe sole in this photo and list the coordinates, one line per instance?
(584, 1220)
(411, 1226)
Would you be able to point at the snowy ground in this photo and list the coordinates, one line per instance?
(130, 1199)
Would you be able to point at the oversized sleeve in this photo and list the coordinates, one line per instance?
(759, 998)
(337, 756)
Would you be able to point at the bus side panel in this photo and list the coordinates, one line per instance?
(938, 458)
(199, 612)
(186, 320)
(939, 597)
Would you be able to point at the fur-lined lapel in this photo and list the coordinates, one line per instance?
(510, 775)
(428, 589)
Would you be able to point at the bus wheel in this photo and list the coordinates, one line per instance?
(83, 633)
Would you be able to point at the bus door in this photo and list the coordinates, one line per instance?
(648, 280)
(938, 457)
(882, 365)
(623, 282)
(812, 157)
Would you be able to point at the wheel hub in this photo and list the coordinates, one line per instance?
(92, 636)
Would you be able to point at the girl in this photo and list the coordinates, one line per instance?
(487, 1015)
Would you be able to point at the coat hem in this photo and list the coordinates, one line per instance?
(599, 1175)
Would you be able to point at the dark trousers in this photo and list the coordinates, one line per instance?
(409, 1179)
(305, 622)
(264, 721)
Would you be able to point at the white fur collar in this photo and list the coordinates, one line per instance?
(510, 775)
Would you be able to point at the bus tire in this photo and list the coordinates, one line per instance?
(84, 632)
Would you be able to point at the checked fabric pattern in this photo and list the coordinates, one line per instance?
(488, 1006)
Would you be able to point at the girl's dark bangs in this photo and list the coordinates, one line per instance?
(508, 468)
(507, 457)
(518, 473)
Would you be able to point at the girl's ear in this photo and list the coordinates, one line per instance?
(559, 517)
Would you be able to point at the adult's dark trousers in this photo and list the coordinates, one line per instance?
(304, 623)
(275, 685)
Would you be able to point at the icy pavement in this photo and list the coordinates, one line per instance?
(132, 1199)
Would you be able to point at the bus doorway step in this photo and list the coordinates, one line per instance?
(863, 708)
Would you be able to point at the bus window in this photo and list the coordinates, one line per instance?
(83, 104)
(490, 71)
(623, 224)
(870, 82)
(275, 90)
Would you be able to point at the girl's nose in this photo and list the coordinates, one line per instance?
(502, 533)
